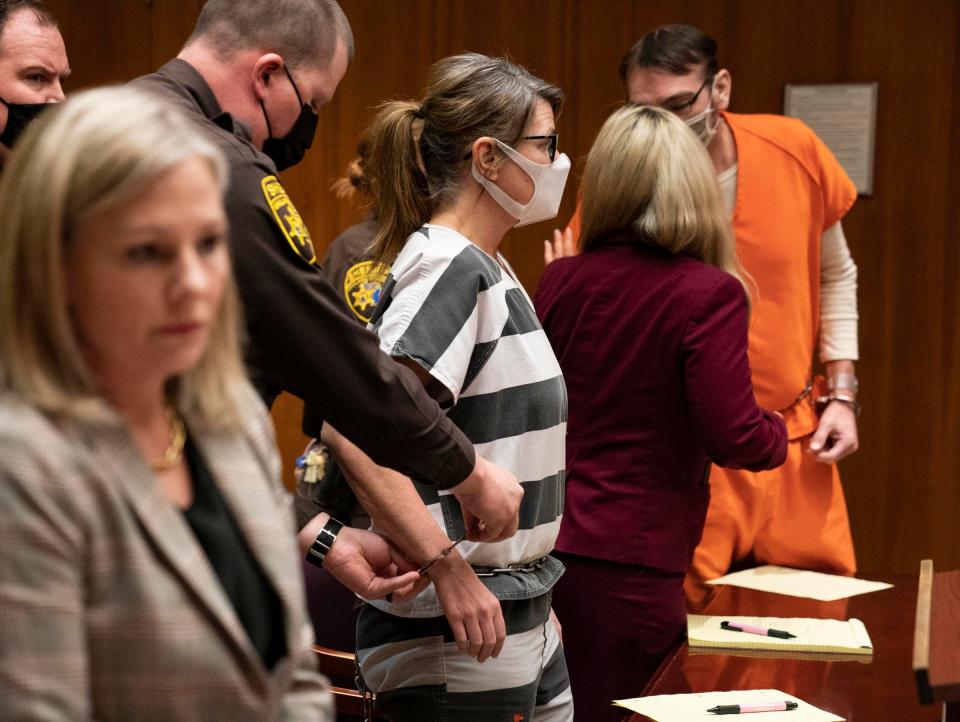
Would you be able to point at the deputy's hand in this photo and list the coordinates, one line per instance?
(366, 563)
(561, 246)
(472, 612)
(490, 499)
(836, 436)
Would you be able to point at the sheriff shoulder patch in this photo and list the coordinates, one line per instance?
(288, 218)
(361, 288)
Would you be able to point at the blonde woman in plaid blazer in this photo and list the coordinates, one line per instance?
(110, 610)
(118, 345)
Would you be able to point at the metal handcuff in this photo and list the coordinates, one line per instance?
(510, 568)
(482, 571)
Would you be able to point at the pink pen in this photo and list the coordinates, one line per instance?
(751, 629)
(747, 708)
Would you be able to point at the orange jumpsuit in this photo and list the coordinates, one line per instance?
(790, 189)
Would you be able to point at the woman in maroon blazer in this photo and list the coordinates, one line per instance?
(649, 324)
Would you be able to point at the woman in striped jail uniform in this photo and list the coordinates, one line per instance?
(452, 174)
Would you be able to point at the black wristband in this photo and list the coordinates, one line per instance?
(321, 545)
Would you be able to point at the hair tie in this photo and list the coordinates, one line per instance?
(418, 112)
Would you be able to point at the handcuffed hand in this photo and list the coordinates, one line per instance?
(472, 611)
(490, 498)
(836, 436)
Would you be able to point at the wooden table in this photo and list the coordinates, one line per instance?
(882, 690)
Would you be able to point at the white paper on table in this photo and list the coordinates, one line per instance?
(800, 583)
(693, 707)
(810, 635)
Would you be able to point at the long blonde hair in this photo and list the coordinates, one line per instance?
(418, 152)
(648, 174)
(95, 152)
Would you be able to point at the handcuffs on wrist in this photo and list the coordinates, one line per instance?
(442, 554)
(822, 402)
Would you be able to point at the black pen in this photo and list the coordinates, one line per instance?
(750, 629)
(746, 708)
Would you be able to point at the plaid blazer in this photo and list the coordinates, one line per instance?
(109, 608)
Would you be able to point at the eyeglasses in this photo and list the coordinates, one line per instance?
(681, 108)
(551, 148)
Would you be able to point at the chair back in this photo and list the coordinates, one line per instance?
(340, 668)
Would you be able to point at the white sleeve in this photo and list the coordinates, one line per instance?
(838, 298)
(434, 309)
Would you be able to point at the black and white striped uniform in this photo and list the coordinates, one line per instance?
(463, 316)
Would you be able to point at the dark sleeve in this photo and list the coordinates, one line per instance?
(301, 341)
(345, 250)
(335, 263)
(348, 248)
(736, 433)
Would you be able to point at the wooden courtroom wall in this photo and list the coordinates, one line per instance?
(903, 487)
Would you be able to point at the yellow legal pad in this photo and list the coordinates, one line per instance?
(812, 635)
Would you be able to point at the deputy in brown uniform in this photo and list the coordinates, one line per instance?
(253, 75)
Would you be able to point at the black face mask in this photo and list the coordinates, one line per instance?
(290, 149)
(19, 116)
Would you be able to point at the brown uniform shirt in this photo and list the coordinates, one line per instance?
(299, 339)
(348, 267)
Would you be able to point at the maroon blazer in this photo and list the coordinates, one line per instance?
(653, 349)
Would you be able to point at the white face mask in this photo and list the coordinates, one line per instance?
(700, 123)
(548, 183)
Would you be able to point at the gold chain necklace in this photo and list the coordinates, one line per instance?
(178, 437)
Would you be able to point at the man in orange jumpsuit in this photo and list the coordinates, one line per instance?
(786, 194)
